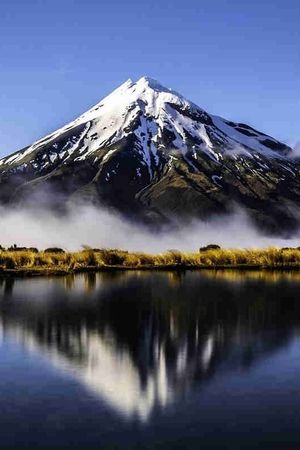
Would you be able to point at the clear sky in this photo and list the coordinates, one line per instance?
(235, 58)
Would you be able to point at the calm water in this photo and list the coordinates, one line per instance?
(150, 360)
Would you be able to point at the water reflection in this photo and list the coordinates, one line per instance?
(141, 340)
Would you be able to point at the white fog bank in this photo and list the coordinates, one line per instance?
(102, 229)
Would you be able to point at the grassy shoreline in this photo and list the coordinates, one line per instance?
(30, 262)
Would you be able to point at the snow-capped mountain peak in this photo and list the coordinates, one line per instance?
(144, 145)
(152, 111)
(146, 89)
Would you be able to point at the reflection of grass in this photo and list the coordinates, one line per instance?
(26, 260)
(256, 274)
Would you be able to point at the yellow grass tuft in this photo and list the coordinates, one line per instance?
(100, 258)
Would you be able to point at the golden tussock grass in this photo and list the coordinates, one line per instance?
(27, 259)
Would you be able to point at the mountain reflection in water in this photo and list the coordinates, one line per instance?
(140, 340)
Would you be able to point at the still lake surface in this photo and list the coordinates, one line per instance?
(142, 360)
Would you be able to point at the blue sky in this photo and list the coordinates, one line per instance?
(239, 59)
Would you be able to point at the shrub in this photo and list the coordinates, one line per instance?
(209, 247)
(33, 249)
(54, 250)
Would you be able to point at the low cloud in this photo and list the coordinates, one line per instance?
(103, 229)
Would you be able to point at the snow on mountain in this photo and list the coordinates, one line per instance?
(159, 108)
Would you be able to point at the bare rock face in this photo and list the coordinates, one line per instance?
(149, 153)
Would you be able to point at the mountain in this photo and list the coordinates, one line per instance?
(149, 153)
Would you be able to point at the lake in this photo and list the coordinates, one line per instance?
(144, 360)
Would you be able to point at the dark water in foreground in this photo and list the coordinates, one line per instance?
(151, 360)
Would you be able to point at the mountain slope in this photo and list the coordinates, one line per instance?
(147, 151)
